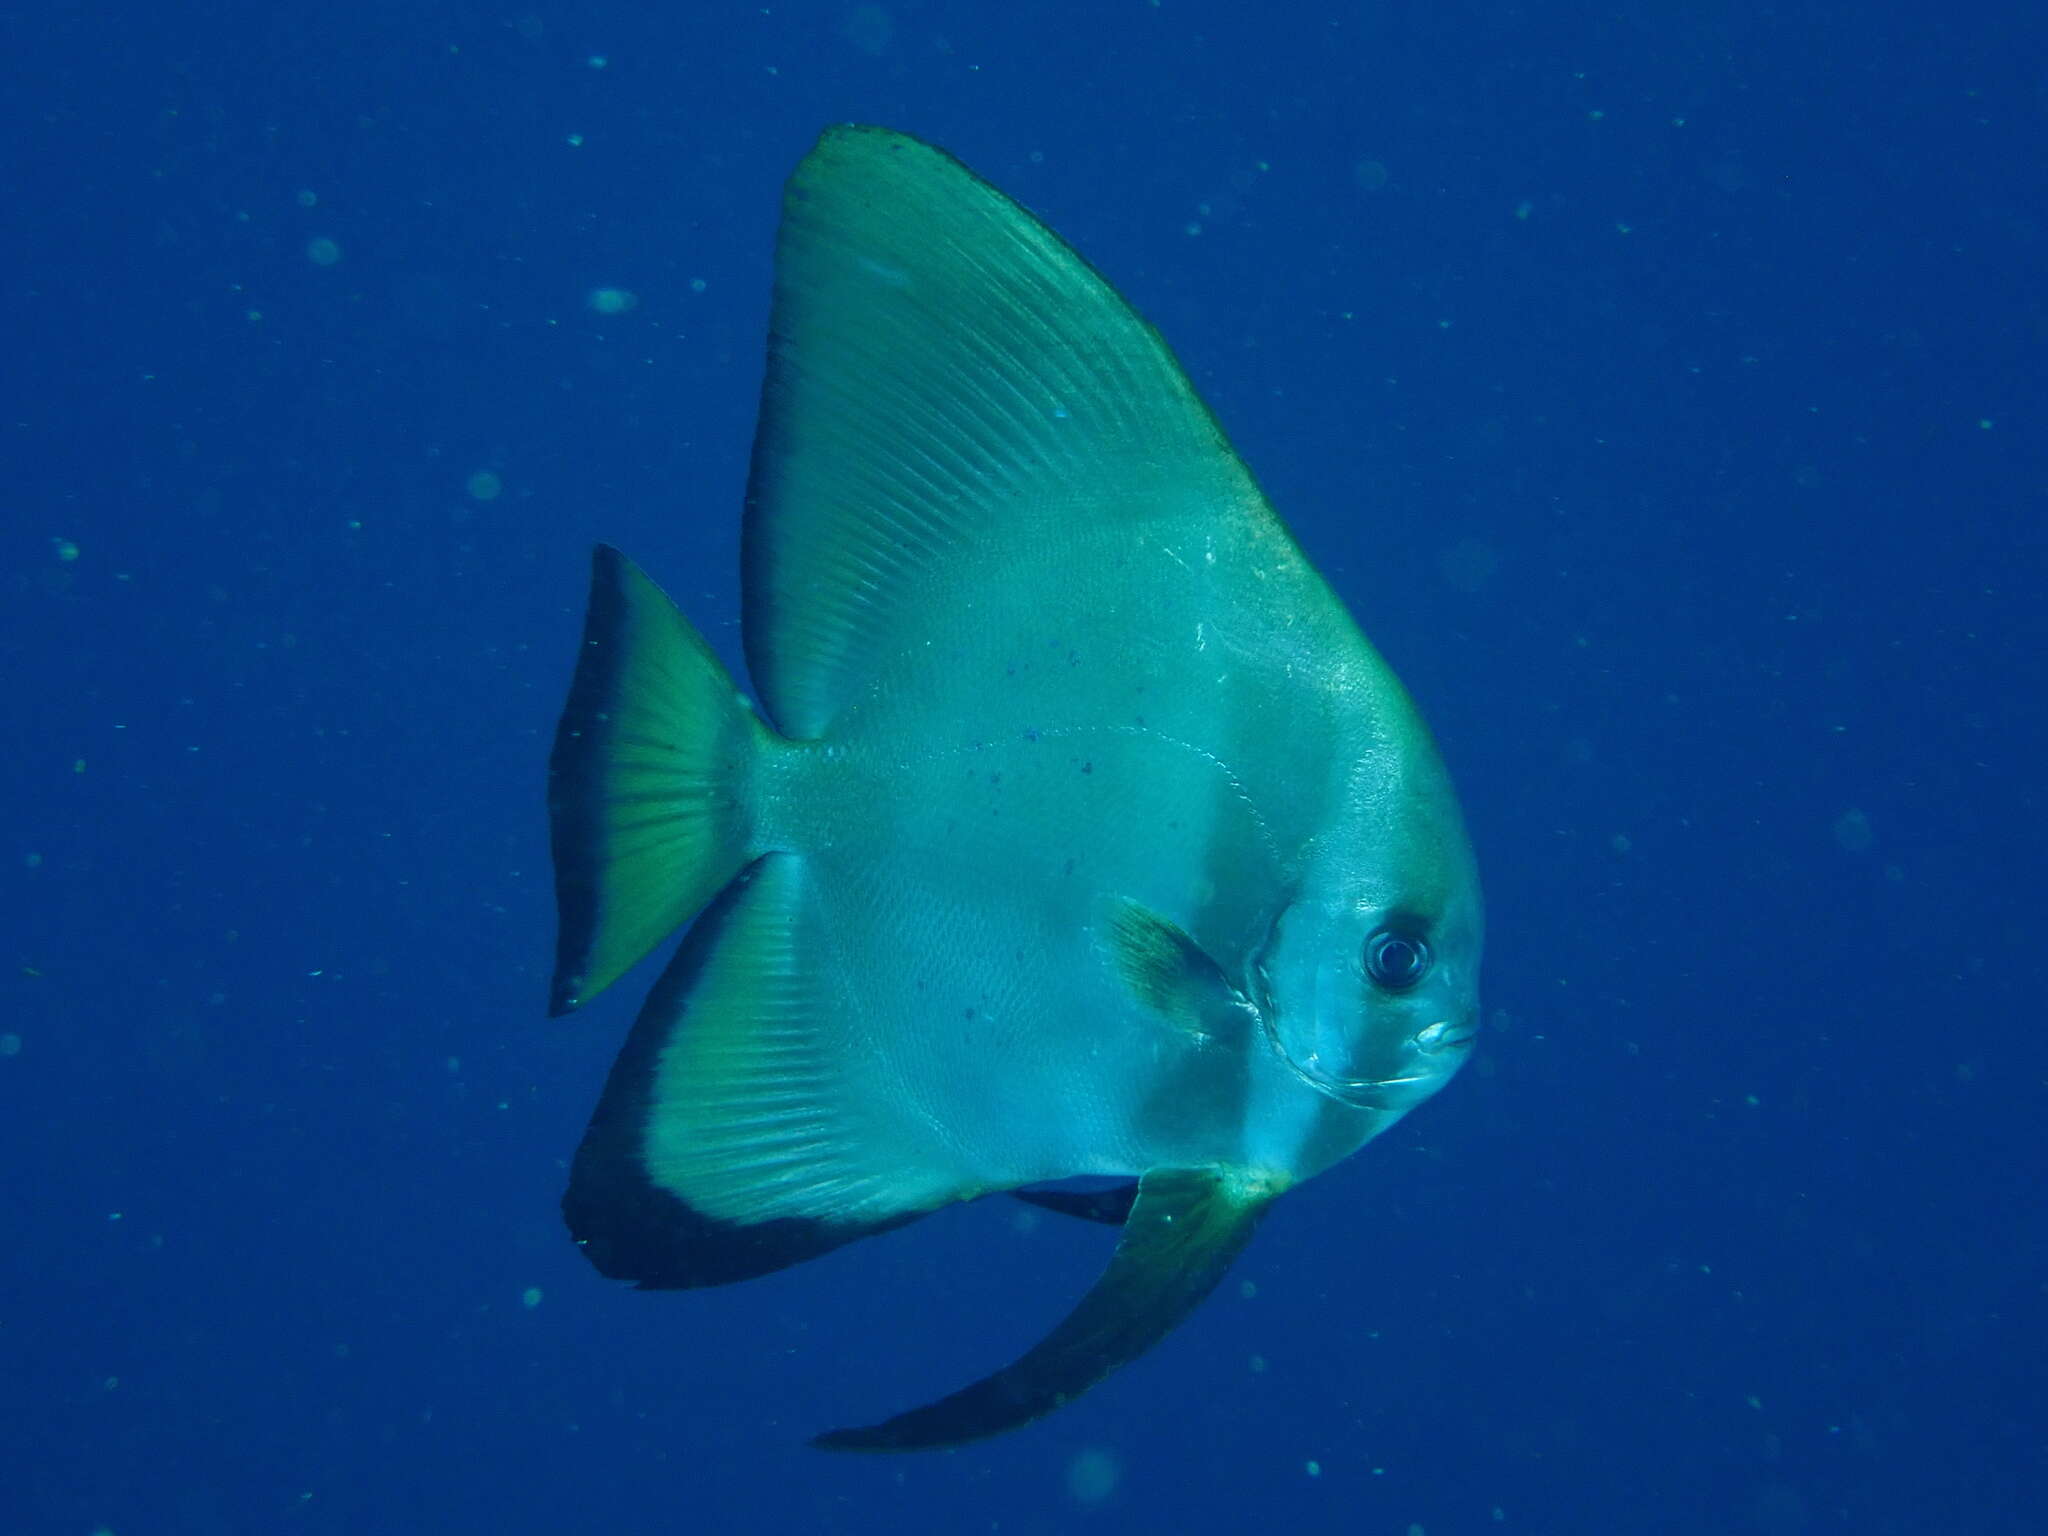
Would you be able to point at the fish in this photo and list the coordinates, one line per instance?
(1074, 844)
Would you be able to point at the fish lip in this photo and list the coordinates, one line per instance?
(1388, 1093)
(1445, 1035)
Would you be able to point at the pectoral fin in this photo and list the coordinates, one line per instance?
(1164, 969)
(1184, 1230)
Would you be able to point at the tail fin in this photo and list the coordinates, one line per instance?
(649, 785)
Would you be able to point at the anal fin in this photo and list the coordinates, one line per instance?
(1184, 1231)
(728, 1141)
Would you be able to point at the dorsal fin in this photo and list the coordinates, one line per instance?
(944, 375)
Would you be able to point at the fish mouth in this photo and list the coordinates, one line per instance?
(1390, 1093)
(1428, 1059)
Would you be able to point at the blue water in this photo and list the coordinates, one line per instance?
(1664, 388)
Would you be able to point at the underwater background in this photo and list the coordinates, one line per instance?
(1662, 386)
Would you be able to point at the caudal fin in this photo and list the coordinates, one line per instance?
(649, 785)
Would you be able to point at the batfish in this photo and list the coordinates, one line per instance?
(1078, 833)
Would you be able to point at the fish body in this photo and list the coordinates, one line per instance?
(1079, 830)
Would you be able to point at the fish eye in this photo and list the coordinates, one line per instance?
(1396, 960)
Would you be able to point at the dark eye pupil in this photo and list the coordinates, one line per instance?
(1395, 960)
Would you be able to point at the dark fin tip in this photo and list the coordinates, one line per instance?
(576, 817)
(565, 995)
(1111, 1207)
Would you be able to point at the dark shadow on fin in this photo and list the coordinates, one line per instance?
(1111, 1206)
(1184, 1231)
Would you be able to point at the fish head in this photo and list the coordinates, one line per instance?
(1368, 985)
